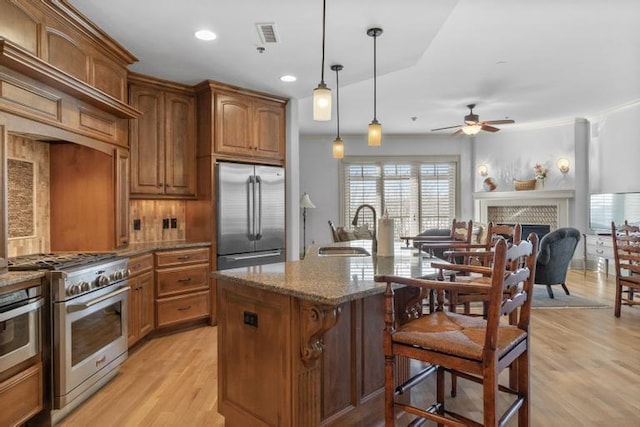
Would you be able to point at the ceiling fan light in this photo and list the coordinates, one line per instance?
(338, 148)
(375, 134)
(471, 129)
(322, 103)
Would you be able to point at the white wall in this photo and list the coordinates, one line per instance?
(319, 171)
(614, 151)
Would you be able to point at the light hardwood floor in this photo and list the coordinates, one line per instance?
(585, 372)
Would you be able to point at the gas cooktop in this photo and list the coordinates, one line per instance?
(57, 261)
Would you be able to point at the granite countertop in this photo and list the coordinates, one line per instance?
(331, 280)
(13, 277)
(146, 247)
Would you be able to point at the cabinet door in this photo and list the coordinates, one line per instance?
(122, 197)
(180, 144)
(134, 310)
(269, 126)
(146, 303)
(146, 136)
(233, 130)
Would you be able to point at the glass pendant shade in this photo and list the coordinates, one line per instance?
(322, 103)
(338, 148)
(471, 129)
(375, 134)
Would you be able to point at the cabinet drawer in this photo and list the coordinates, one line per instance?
(181, 308)
(173, 258)
(600, 251)
(21, 396)
(140, 263)
(178, 280)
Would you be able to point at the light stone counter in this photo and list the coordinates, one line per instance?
(331, 280)
(13, 277)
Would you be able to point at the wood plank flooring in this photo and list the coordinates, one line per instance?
(585, 372)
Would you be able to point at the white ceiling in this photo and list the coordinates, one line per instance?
(549, 60)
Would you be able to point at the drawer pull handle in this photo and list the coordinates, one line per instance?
(599, 251)
(186, 279)
(599, 243)
(185, 308)
(101, 360)
(184, 257)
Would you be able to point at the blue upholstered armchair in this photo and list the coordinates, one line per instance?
(554, 255)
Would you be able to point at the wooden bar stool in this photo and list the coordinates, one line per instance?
(473, 348)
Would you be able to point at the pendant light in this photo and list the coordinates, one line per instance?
(322, 94)
(338, 144)
(375, 128)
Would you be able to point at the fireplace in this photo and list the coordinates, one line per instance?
(538, 211)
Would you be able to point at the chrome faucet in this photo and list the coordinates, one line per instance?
(374, 243)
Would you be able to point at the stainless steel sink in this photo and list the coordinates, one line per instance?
(342, 251)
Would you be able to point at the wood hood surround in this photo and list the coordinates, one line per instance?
(61, 79)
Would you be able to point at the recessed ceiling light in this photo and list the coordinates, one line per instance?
(288, 78)
(205, 35)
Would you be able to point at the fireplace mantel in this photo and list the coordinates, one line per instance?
(524, 195)
(558, 199)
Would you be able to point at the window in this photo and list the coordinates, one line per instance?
(418, 193)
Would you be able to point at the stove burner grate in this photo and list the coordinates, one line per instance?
(56, 261)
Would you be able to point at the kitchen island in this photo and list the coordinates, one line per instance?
(300, 343)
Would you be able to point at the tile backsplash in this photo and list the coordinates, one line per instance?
(31, 236)
(151, 214)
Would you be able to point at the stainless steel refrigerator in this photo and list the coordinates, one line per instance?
(251, 206)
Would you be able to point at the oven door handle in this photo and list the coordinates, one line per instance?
(11, 314)
(79, 307)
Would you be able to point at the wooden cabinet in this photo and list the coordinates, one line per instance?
(182, 286)
(249, 126)
(21, 396)
(599, 252)
(163, 139)
(122, 196)
(141, 301)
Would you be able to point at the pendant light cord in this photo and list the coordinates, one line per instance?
(375, 36)
(337, 103)
(324, 13)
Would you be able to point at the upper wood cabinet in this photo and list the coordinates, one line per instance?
(162, 140)
(249, 126)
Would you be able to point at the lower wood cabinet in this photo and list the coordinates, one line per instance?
(182, 286)
(141, 300)
(21, 396)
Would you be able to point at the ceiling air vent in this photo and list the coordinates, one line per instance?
(268, 33)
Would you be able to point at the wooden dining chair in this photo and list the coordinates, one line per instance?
(476, 259)
(626, 252)
(473, 348)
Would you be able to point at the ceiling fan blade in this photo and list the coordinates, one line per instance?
(458, 132)
(448, 127)
(489, 128)
(499, 122)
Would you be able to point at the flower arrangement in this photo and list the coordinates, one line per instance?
(540, 171)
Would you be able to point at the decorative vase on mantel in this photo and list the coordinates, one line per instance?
(539, 183)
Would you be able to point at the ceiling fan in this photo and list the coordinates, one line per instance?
(472, 124)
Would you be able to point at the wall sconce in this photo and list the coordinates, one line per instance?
(563, 164)
(483, 170)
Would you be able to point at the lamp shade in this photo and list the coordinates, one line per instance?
(322, 103)
(375, 134)
(305, 202)
(338, 148)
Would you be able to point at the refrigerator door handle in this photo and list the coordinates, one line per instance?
(254, 256)
(258, 230)
(251, 189)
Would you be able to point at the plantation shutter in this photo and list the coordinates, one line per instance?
(418, 194)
